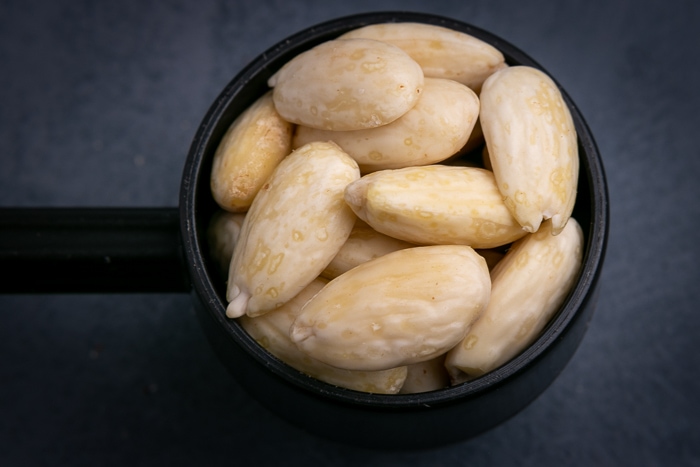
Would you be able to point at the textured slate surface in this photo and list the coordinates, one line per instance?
(98, 105)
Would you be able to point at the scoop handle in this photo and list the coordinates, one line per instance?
(91, 250)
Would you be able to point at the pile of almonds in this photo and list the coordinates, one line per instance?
(361, 244)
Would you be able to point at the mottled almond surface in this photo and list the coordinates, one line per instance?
(532, 145)
(437, 127)
(293, 229)
(435, 204)
(347, 85)
(271, 331)
(440, 51)
(528, 286)
(250, 150)
(405, 307)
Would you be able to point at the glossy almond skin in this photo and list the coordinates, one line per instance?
(528, 286)
(435, 204)
(532, 145)
(405, 307)
(271, 331)
(347, 85)
(441, 52)
(293, 229)
(436, 128)
(250, 150)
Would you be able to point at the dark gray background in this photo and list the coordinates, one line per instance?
(98, 104)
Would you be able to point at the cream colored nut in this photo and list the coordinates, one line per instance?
(363, 244)
(347, 85)
(528, 286)
(532, 145)
(271, 331)
(436, 204)
(437, 127)
(441, 52)
(430, 375)
(251, 148)
(402, 308)
(294, 228)
(222, 235)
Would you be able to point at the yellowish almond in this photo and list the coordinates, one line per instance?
(435, 204)
(294, 228)
(532, 145)
(528, 286)
(249, 151)
(436, 128)
(440, 51)
(405, 307)
(349, 84)
(271, 331)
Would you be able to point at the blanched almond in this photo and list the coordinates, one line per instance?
(437, 127)
(528, 286)
(347, 84)
(440, 51)
(435, 204)
(272, 332)
(293, 229)
(250, 150)
(532, 145)
(405, 307)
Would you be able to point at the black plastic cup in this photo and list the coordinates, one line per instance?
(385, 421)
(166, 250)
